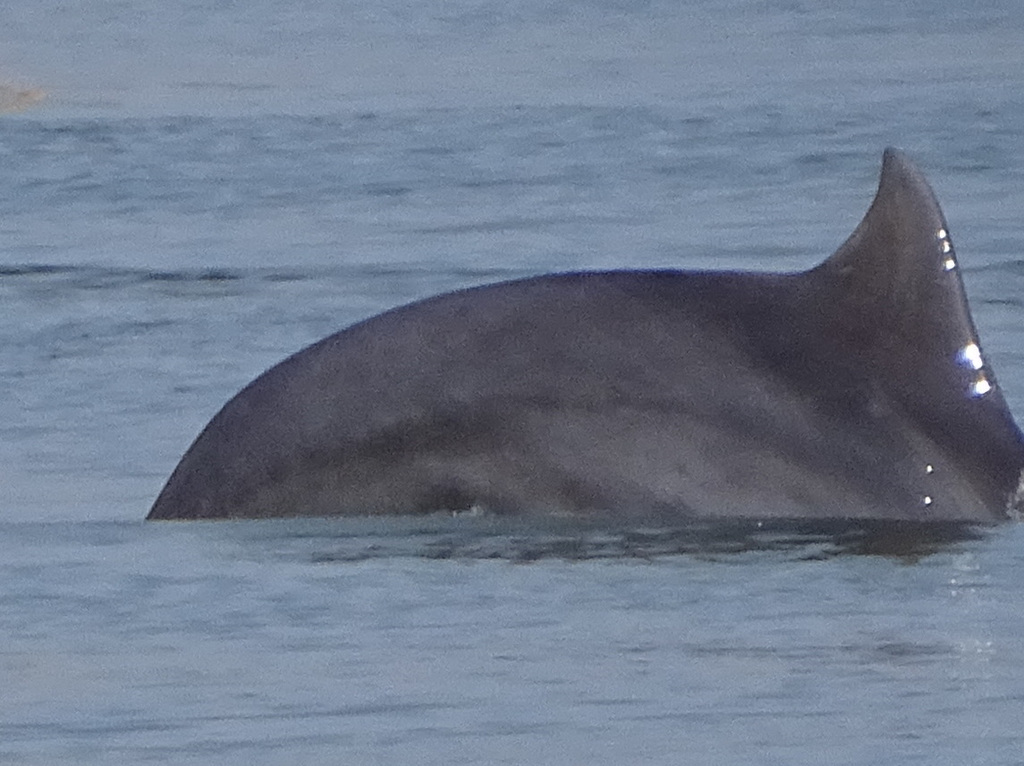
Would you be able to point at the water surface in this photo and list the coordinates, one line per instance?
(206, 188)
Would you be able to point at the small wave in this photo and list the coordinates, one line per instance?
(85, 276)
(100, 276)
(1009, 266)
(518, 224)
(225, 86)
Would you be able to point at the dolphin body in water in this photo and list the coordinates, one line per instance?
(856, 390)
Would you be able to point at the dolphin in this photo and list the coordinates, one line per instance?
(856, 390)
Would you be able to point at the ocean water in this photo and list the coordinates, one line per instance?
(190, 191)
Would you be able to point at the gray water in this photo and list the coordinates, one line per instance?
(207, 187)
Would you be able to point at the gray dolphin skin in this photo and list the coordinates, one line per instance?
(856, 390)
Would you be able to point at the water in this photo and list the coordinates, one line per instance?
(299, 643)
(207, 188)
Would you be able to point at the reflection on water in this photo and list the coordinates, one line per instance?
(470, 536)
(464, 640)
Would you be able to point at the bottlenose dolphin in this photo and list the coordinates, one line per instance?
(854, 390)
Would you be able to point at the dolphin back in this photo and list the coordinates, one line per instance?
(855, 390)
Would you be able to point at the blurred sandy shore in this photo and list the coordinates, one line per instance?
(15, 99)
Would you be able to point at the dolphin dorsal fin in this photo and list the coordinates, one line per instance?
(894, 292)
(899, 285)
